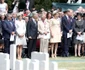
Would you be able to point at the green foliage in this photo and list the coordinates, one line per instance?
(9, 2)
(46, 4)
(22, 5)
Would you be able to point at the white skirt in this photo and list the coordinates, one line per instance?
(20, 41)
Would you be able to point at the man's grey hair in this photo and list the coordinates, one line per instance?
(8, 15)
(34, 13)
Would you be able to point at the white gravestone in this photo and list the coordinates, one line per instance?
(40, 56)
(53, 66)
(34, 65)
(43, 59)
(43, 65)
(12, 56)
(4, 56)
(26, 63)
(18, 65)
(4, 61)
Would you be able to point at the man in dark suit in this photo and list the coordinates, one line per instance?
(67, 27)
(0, 30)
(32, 33)
(8, 28)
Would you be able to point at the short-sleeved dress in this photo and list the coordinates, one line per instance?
(55, 27)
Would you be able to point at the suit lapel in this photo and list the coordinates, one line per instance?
(68, 22)
(35, 23)
(10, 24)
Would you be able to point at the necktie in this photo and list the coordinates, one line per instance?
(69, 19)
(35, 22)
(11, 24)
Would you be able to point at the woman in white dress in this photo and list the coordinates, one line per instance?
(20, 34)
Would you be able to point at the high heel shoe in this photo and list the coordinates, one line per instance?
(52, 56)
(75, 55)
(55, 55)
(79, 55)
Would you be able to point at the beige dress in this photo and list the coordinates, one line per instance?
(55, 28)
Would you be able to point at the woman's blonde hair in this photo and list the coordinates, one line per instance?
(19, 14)
(55, 12)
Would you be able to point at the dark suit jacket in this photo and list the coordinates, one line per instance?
(7, 29)
(79, 26)
(67, 25)
(0, 27)
(32, 29)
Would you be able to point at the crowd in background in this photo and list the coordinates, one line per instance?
(50, 29)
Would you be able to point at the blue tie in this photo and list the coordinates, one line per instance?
(11, 24)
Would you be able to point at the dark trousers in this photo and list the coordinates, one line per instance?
(7, 46)
(0, 36)
(31, 46)
(66, 44)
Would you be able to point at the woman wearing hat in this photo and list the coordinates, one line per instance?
(20, 34)
(78, 33)
(56, 33)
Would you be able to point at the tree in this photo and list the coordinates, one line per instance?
(46, 4)
(38, 4)
(9, 2)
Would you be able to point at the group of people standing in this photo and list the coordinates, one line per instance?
(51, 28)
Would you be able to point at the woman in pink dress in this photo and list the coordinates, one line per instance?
(55, 29)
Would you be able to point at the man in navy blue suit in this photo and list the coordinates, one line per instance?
(67, 27)
(8, 29)
(32, 33)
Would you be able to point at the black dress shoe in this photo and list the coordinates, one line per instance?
(79, 56)
(67, 55)
(63, 55)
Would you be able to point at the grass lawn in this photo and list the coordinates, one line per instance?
(70, 63)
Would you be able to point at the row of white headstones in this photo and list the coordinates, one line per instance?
(38, 61)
